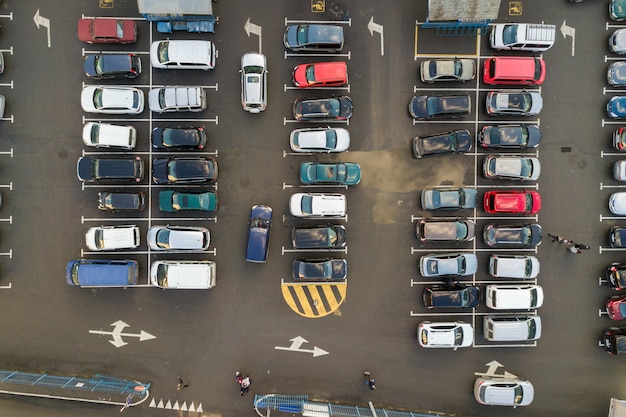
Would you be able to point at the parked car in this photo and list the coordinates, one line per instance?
(320, 74)
(259, 228)
(617, 9)
(531, 37)
(523, 236)
(177, 99)
(314, 37)
(121, 201)
(616, 275)
(616, 307)
(332, 236)
(616, 74)
(442, 229)
(322, 109)
(451, 296)
(112, 100)
(512, 167)
(510, 136)
(110, 170)
(617, 41)
(178, 238)
(616, 107)
(317, 205)
(319, 269)
(617, 203)
(104, 238)
(448, 198)
(174, 201)
(438, 265)
(184, 170)
(617, 237)
(514, 70)
(183, 54)
(447, 70)
(111, 66)
(514, 103)
(440, 106)
(503, 391)
(107, 30)
(513, 297)
(105, 135)
(614, 340)
(178, 138)
(512, 202)
(619, 139)
(445, 334)
(319, 139)
(457, 141)
(513, 266)
(340, 173)
(253, 82)
(619, 170)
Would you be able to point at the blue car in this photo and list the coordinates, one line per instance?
(617, 10)
(340, 173)
(259, 234)
(616, 107)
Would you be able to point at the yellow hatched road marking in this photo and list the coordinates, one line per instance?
(314, 299)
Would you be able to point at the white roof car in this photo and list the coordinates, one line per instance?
(185, 275)
(178, 238)
(319, 139)
(112, 100)
(503, 391)
(112, 237)
(514, 297)
(617, 203)
(105, 135)
(317, 205)
(169, 99)
(183, 54)
(513, 266)
(445, 335)
(617, 41)
(253, 82)
(512, 167)
(436, 265)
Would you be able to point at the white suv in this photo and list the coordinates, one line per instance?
(317, 205)
(253, 82)
(104, 135)
(112, 237)
(183, 55)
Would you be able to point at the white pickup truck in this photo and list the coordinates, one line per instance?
(170, 99)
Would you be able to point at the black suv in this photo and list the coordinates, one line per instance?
(321, 109)
(614, 340)
(451, 296)
(457, 141)
(120, 169)
(319, 269)
(332, 236)
(121, 201)
(181, 170)
(108, 66)
(436, 107)
(512, 236)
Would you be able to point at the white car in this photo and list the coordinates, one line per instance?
(437, 265)
(445, 335)
(170, 99)
(317, 205)
(178, 238)
(105, 135)
(112, 100)
(512, 167)
(617, 203)
(617, 41)
(183, 54)
(319, 139)
(514, 266)
(253, 82)
(112, 237)
(503, 391)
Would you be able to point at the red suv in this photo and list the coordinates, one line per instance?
(320, 74)
(107, 30)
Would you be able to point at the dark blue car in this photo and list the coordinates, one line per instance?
(259, 234)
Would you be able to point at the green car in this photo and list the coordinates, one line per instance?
(175, 201)
(340, 173)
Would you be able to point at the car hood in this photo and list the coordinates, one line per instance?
(617, 203)
(291, 36)
(536, 103)
(159, 171)
(418, 107)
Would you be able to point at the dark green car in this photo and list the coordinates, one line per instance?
(340, 173)
(175, 201)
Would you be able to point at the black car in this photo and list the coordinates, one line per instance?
(179, 138)
(512, 236)
(614, 340)
(319, 269)
(332, 236)
(183, 170)
(616, 275)
(617, 237)
(108, 66)
(121, 201)
(451, 296)
(323, 109)
(510, 136)
(314, 37)
(443, 106)
(457, 141)
(120, 169)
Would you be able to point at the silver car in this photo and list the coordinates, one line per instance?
(434, 265)
(178, 238)
(512, 167)
(448, 198)
(441, 229)
(447, 70)
(253, 82)
(503, 391)
(319, 139)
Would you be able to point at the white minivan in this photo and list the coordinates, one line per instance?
(253, 82)
(511, 328)
(513, 266)
(181, 54)
(186, 275)
(522, 36)
(112, 237)
(514, 297)
(105, 135)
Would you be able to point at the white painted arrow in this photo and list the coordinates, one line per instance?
(491, 371)
(254, 29)
(375, 27)
(117, 334)
(296, 342)
(569, 31)
(42, 21)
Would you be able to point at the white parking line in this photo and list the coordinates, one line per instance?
(145, 252)
(332, 22)
(602, 186)
(329, 54)
(289, 87)
(333, 186)
(285, 121)
(316, 251)
(144, 219)
(142, 153)
(427, 250)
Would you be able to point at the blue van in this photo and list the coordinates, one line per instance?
(101, 273)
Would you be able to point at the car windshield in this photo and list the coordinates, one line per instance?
(135, 100)
(461, 230)
(331, 139)
(163, 56)
(526, 168)
(518, 394)
(307, 204)
(509, 34)
(120, 29)
(533, 297)
(310, 73)
(532, 329)
(303, 35)
(458, 336)
(257, 223)
(99, 238)
(332, 236)
(528, 267)
(461, 264)
(97, 98)
(163, 238)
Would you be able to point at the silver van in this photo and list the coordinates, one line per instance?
(522, 36)
(513, 266)
(511, 328)
(514, 297)
(183, 54)
(186, 275)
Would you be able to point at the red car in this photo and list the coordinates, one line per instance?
(512, 201)
(320, 74)
(616, 307)
(103, 30)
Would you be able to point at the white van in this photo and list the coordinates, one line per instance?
(183, 55)
(514, 297)
(513, 266)
(186, 275)
(522, 36)
(112, 237)
(511, 328)
(105, 135)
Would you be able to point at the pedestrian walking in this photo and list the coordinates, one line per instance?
(582, 246)
(557, 238)
(574, 249)
(369, 381)
(238, 377)
(181, 384)
(245, 385)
